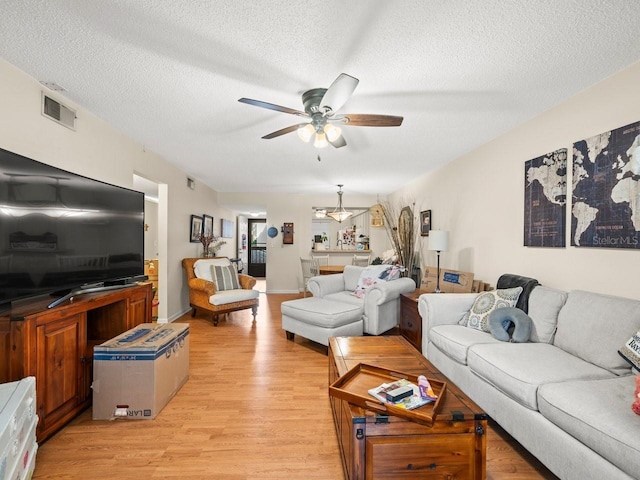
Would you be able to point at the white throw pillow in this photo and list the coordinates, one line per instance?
(202, 267)
(485, 303)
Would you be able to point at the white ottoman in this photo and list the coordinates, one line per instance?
(318, 319)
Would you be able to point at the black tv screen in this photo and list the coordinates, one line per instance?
(60, 231)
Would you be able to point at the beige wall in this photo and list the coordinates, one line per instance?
(479, 197)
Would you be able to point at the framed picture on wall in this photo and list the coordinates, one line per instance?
(227, 228)
(196, 228)
(207, 225)
(425, 223)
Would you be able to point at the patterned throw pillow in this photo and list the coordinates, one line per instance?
(487, 302)
(630, 351)
(374, 274)
(225, 278)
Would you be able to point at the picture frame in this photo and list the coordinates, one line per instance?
(226, 228)
(207, 224)
(195, 228)
(425, 223)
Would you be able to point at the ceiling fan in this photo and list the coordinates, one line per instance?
(320, 106)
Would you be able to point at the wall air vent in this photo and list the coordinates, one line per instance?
(57, 112)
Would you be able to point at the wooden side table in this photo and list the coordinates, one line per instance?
(410, 320)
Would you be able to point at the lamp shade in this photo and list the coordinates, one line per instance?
(439, 240)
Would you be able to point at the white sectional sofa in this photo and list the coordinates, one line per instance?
(566, 394)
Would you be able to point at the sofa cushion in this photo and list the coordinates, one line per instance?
(544, 306)
(232, 296)
(321, 312)
(487, 302)
(351, 276)
(518, 369)
(345, 297)
(594, 326)
(455, 340)
(202, 267)
(598, 413)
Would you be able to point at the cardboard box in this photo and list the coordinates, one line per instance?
(451, 281)
(136, 373)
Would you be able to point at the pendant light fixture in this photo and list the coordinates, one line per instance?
(340, 214)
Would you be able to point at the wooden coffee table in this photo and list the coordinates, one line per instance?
(388, 447)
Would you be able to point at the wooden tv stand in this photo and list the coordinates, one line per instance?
(55, 345)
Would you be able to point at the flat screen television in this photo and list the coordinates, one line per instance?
(61, 232)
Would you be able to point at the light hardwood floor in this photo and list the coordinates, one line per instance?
(255, 407)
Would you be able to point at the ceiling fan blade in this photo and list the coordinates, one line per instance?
(284, 131)
(271, 106)
(366, 120)
(338, 93)
(338, 142)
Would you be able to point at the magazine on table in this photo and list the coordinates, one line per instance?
(421, 394)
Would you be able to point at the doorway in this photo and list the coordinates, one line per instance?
(156, 239)
(257, 255)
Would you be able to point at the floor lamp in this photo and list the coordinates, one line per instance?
(438, 241)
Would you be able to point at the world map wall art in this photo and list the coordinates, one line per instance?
(605, 208)
(545, 199)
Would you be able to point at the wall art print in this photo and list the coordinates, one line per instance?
(207, 225)
(425, 223)
(226, 227)
(195, 228)
(606, 190)
(545, 200)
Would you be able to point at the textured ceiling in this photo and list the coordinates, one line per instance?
(169, 74)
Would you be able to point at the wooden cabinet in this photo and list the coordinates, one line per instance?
(56, 346)
(410, 320)
(61, 363)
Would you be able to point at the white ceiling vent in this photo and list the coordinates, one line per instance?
(58, 112)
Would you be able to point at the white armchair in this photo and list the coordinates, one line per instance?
(381, 302)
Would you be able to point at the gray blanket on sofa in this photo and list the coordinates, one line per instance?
(509, 280)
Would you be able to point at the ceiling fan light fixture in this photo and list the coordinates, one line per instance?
(321, 140)
(306, 133)
(339, 214)
(332, 132)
